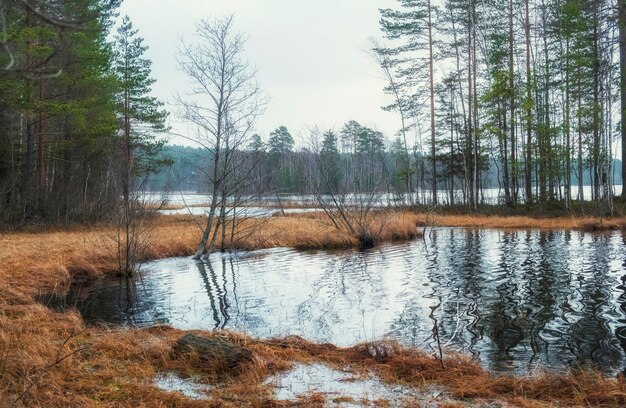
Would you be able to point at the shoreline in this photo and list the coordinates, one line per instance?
(54, 358)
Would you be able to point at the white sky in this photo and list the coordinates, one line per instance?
(310, 56)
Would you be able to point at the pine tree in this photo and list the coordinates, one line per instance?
(329, 164)
(56, 114)
(142, 117)
(621, 21)
(141, 114)
(413, 26)
(280, 148)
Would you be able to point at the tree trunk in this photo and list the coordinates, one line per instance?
(513, 182)
(41, 143)
(528, 181)
(581, 192)
(432, 104)
(596, 105)
(568, 144)
(470, 108)
(621, 9)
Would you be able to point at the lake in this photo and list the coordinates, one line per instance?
(490, 196)
(515, 300)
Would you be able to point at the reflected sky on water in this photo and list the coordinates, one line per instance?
(516, 300)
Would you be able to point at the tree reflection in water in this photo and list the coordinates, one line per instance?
(514, 299)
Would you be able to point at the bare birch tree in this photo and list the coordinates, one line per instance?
(223, 105)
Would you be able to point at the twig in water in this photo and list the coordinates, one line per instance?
(428, 213)
(436, 336)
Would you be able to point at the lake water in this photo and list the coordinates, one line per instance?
(516, 300)
(491, 196)
(240, 212)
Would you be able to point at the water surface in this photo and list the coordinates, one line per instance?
(343, 389)
(491, 196)
(516, 300)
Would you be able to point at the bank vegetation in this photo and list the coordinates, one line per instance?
(50, 358)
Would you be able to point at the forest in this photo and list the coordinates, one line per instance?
(522, 96)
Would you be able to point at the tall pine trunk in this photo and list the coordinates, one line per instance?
(432, 105)
(621, 7)
(528, 106)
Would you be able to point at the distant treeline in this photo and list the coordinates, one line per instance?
(356, 159)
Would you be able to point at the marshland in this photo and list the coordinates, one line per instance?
(325, 204)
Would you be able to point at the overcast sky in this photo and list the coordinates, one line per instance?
(310, 54)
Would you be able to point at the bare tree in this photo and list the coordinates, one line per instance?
(353, 212)
(223, 105)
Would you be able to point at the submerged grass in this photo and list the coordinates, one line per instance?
(53, 359)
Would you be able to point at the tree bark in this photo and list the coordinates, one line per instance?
(512, 109)
(432, 104)
(528, 181)
(621, 8)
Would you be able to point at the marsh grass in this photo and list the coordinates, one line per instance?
(52, 359)
(586, 223)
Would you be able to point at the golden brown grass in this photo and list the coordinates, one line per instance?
(586, 223)
(44, 260)
(116, 368)
(52, 359)
(463, 378)
(315, 231)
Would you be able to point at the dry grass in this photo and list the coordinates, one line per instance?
(52, 359)
(43, 261)
(515, 222)
(315, 231)
(152, 206)
(463, 378)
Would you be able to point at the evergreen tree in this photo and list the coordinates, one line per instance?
(280, 149)
(280, 141)
(57, 118)
(413, 25)
(256, 144)
(141, 114)
(621, 21)
(329, 163)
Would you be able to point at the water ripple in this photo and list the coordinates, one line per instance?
(514, 299)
